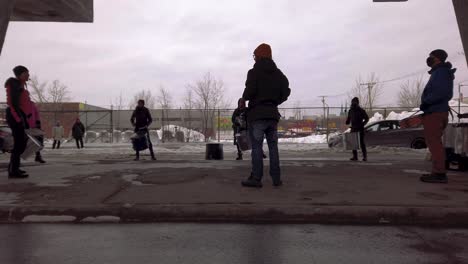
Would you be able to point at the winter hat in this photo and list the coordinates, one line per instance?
(18, 70)
(263, 51)
(440, 54)
(355, 100)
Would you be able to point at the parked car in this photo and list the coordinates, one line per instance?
(388, 133)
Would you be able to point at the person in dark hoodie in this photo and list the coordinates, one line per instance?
(18, 102)
(435, 105)
(239, 123)
(265, 89)
(358, 118)
(78, 132)
(141, 120)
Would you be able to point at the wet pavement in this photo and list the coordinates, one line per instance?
(227, 243)
(321, 186)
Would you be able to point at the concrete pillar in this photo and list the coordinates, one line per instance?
(461, 10)
(6, 7)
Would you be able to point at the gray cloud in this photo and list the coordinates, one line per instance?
(321, 45)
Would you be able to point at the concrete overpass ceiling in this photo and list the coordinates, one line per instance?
(53, 11)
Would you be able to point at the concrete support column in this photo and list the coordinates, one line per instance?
(6, 7)
(461, 10)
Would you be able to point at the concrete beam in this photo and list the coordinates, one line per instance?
(461, 11)
(6, 8)
(53, 11)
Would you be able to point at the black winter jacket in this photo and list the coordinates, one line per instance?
(357, 118)
(78, 130)
(266, 88)
(141, 118)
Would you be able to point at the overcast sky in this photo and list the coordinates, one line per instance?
(321, 45)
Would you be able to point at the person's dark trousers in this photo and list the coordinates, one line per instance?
(239, 151)
(79, 143)
(257, 131)
(150, 146)
(56, 144)
(38, 154)
(20, 140)
(362, 143)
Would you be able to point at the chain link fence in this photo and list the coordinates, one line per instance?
(203, 125)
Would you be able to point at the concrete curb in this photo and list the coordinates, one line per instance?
(261, 214)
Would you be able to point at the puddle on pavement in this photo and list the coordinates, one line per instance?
(8, 198)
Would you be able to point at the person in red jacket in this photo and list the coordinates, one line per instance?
(18, 105)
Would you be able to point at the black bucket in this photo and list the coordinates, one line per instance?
(214, 151)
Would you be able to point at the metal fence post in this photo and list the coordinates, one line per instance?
(112, 124)
(219, 125)
(328, 131)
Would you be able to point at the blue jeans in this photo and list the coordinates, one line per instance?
(257, 131)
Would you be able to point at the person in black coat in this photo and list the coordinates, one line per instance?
(78, 132)
(239, 123)
(17, 100)
(265, 89)
(141, 120)
(358, 118)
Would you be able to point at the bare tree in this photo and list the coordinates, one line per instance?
(189, 104)
(410, 93)
(150, 99)
(298, 112)
(118, 104)
(164, 101)
(56, 92)
(209, 96)
(368, 91)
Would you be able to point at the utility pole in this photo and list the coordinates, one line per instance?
(370, 86)
(324, 97)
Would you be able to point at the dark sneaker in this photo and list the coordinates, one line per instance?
(22, 171)
(434, 178)
(277, 183)
(136, 159)
(239, 158)
(252, 183)
(264, 156)
(364, 159)
(40, 160)
(17, 175)
(153, 158)
(353, 159)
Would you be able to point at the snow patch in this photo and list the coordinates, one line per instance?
(313, 139)
(8, 198)
(377, 117)
(131, 178)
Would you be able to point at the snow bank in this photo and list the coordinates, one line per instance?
(377, 117)
(192, 135)
(313, 139)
